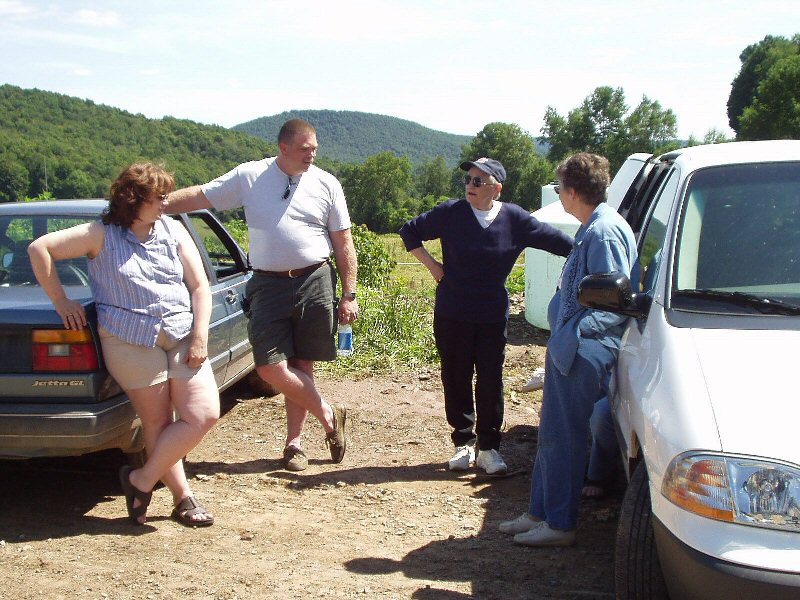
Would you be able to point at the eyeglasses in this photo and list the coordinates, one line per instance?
(476, 181)
(289, 188)
(557, 189)
(163, 197)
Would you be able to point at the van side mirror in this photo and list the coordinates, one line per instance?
(612, 292)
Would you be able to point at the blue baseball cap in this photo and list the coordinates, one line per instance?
(489, 166)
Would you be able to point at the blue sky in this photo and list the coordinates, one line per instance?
(451, 66)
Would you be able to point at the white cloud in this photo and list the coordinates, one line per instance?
(67, 68)
(95, 18)
(14, 8)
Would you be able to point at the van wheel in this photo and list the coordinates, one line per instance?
(637, 572)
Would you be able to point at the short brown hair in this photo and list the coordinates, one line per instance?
(292, 127)
(586, 173)
(133, 187)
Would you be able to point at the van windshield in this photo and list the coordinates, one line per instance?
(738, 240)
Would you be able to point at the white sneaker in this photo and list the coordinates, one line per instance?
(521, 524)
(491, 462)
(535, 381)
(542, 535)
(463, 458)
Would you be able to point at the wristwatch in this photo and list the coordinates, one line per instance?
(349, 295)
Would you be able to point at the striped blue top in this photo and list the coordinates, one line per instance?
(138, 286)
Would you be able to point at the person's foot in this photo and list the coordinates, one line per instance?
(335, 439)
(535, 381)
(542, 534)
(294, 459)
(136, 501)
(190, 513)
(593, 490)
(521, 524)
(491, 462)
(463, 458)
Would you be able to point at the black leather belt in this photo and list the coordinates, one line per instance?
(292, 273)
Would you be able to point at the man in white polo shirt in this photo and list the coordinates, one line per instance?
(296, 216)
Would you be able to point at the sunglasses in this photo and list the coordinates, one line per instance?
(476, 181)
(557, 189)
(289, 188)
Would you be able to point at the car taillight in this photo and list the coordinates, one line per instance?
(63, 350)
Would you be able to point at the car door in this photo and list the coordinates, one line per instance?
(638, 368)
(228, 275)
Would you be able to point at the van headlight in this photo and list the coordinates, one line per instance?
(736, 489)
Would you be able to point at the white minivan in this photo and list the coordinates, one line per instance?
(706, 393)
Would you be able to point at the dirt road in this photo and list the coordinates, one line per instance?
(389, 522)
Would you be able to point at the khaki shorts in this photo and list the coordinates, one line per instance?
(135, 366)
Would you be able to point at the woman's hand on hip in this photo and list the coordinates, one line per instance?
(198, 351)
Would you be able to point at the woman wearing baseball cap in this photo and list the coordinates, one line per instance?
(481, 239)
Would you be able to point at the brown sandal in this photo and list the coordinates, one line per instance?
(186, 509)
(132, 493)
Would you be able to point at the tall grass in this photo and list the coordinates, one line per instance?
(394, 331)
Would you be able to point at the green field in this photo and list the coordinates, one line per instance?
(411, 273)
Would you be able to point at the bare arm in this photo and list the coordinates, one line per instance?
(433, 265)
(194, 276)
(81, 240)
(345, 253)
(186, 200)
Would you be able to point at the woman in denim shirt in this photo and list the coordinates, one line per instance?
(581, 351)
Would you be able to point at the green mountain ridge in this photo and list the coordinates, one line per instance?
(74, 148)
(352, 137)
(69, 147)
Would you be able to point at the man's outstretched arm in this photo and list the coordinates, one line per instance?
(186, 200)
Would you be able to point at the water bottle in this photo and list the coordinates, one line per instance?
(344, 340)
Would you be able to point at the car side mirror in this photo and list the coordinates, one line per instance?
(612, 292)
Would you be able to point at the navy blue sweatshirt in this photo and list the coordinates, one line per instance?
(477, 261)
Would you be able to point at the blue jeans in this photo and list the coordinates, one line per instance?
(602, 458)
(560, 463)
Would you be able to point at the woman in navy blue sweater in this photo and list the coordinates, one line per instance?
(481, 240)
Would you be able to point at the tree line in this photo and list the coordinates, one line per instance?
(55, 145)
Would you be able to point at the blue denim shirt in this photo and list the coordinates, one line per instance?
(604, 244)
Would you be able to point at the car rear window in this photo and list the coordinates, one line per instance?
(17, 232)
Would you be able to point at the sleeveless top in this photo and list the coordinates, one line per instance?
(138, 286)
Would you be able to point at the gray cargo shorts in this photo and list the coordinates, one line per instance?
(292, 317)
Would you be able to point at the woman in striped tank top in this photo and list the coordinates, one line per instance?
(153, 309)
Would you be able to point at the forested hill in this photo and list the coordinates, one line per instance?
(352, 137)
(83, 145)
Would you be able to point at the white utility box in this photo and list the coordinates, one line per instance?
(543, 269)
